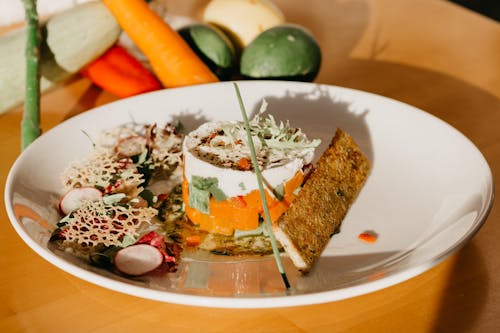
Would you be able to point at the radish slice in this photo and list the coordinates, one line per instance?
(138, 259)
(131, 146)
(73, 198)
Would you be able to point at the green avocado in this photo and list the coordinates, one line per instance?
(213, 48)
(286, 52)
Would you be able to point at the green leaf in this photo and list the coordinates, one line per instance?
(199, 198)
(202, 183)
(217, 193)
(200, 189)
(127, 241)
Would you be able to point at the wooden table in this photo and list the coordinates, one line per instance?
(428, 53)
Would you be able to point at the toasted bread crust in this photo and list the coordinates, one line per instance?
(316, 214)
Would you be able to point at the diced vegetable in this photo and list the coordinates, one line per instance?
(138, 259)
(193, 240)
(243, 20)
(119, 73)
(368, 236)
(241, 212)
(73, 198)
(244, 164)
(171, 58)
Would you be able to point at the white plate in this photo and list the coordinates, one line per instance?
(429, 192)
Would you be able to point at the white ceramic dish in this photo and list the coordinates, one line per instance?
(429, 192)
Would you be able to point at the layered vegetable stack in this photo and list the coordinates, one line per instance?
(220, 189)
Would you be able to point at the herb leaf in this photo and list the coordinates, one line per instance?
(200, 189)
(199, 198)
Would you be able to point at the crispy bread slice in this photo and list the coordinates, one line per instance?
(316, 214)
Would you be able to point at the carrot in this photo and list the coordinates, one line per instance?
(193, 240)
(119, 73)
(171, 58)
(240, 212)
(244, 164)
(369, 237)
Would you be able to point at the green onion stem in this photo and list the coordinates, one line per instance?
(30, 124)
(261, 189)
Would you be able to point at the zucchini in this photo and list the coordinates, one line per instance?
(213, 48)
(75, 45)
(71, 40)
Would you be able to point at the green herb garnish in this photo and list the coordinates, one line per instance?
(261, 190)
(200, 190)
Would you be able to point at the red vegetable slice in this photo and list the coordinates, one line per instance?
(73, 198)
(138, 259)
(131, 146)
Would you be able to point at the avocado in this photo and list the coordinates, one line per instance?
(285, 52)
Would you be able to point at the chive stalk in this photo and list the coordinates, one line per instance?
(258, 174)
(30, 124)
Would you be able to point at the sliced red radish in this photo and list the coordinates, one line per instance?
(131, 146)
(73, 198)
(138, 259)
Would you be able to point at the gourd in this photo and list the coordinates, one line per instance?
(243, 20)
(212, 46)
(285, 52)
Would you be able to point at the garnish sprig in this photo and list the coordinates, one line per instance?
(258, 174)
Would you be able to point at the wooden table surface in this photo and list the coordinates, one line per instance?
(428, 53)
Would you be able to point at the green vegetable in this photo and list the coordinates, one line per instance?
(286, 52)
(275, 142)
(70, 40)
(30, 125)
(200, 190)
(213, 48)
(260, 182)
(81, 34)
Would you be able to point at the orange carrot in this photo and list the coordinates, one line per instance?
(119, 73)
(240, 212)
(193, 240)
(244, 164)
(369, 237)
(171, 58)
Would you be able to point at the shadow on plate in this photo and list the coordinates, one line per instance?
(308, 110)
